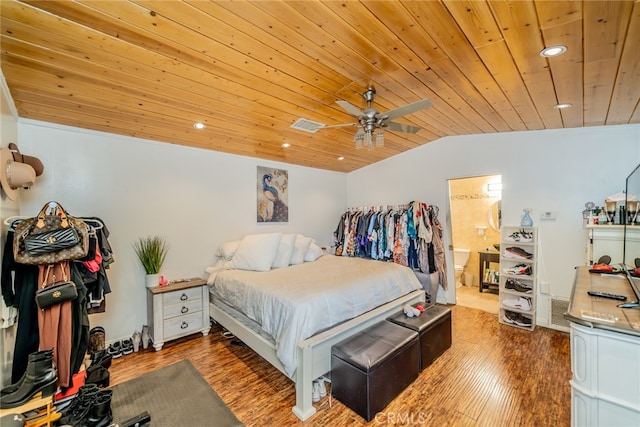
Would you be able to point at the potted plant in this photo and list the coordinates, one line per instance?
(151, 252)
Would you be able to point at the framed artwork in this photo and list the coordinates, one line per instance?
(272, 196)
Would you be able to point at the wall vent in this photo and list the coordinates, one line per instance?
(307, 125)
(558, 308)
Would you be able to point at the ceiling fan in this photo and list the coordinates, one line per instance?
(369, 120)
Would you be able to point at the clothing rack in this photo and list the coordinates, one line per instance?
(381, 208)
(409, 234)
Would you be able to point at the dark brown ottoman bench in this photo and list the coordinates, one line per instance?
(434, 329)
(370, 368)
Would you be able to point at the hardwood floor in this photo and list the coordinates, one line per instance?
(493, 375)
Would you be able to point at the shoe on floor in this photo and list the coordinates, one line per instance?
(127, 346)
(322, 388)
(115, 349)
(136, 338)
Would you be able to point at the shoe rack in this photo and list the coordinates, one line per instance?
(515, 244)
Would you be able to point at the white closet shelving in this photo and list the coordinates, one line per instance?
(518, 282)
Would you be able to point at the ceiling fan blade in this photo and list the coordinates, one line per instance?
(339, 126)
(407, 109)
(350, 108)
(400, 127)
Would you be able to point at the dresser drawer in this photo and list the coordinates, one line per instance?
(182, 325)
(185, 307)
(183, 295)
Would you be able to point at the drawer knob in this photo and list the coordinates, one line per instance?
(184, 325)
(184, 309)
(184, 297)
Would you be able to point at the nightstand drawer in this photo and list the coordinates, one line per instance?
(186, 307)
(183, 325)
(183, 295)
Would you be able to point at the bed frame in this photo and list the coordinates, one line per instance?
(314, 354)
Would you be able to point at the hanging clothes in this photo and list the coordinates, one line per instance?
(65, 328)
(19, 283)
(409, 235)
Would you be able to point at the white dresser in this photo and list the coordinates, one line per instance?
(605, 355)
(177, 310)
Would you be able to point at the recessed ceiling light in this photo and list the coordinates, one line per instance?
(199, 125)
(561, 106)
(285, 145)
(551, 51)
(341, 158)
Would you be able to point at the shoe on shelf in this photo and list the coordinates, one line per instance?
(510, 317)
(516, 319)
(127, 346)
(519, 303)
(115, 349)
(518, 286)
(519, 236)
(517, 253)
(519, 269)
(522, 320)
(40, 376)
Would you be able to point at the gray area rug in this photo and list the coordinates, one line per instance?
(175, 395)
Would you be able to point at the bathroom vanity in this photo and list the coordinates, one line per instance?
(489, 283)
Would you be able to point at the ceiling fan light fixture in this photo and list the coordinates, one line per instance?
(551, 51)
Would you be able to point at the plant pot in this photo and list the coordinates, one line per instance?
(152, 280)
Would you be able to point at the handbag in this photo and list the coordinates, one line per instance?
(37, 244)
(50, 238)
(55, 293)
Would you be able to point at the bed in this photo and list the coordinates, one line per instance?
(292, 315)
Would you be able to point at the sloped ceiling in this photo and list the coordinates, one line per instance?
(248, 70)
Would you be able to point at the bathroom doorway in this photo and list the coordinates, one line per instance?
(475, 212)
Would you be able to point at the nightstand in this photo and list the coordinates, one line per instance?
(177, 310)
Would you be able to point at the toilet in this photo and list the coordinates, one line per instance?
(460, 258)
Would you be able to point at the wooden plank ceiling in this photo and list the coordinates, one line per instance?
(248, 70)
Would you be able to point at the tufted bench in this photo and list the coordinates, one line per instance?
(370, 368)
(434, 329)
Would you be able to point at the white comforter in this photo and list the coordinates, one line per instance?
(296, 302)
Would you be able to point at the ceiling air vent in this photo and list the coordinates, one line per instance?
(307, 125)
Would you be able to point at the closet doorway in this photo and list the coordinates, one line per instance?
(475, 212)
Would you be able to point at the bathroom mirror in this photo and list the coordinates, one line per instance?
(495, 216)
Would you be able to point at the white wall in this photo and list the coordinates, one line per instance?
(199, 198)
(554, 170)
(196, 198)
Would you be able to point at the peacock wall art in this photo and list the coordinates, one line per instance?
(272, 195)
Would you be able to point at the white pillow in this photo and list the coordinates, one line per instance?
(285, 249)
(227, 249)
(313, 253)
(300, 248)
(257, 251)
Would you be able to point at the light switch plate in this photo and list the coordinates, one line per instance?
(548, 215)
